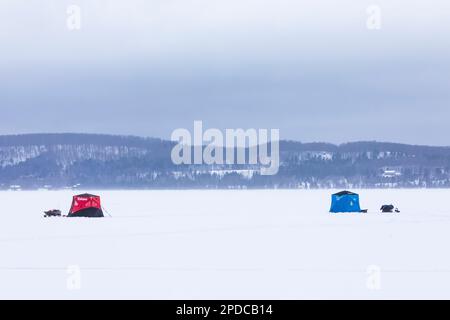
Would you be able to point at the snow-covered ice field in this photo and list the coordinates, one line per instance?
(226, 244)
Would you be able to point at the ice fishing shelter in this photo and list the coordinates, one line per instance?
(86, 205)
(345, 201)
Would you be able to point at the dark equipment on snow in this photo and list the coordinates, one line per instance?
(86, 205)
(52, 213)
(389, 209)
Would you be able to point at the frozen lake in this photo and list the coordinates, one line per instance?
(226, 244)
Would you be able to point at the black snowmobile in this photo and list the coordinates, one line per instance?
(52, 213)
(389, 209)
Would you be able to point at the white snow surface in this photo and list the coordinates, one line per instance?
(271, 244)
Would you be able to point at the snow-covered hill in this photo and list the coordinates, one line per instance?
(65, 160)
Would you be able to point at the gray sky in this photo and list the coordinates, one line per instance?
(310, 68)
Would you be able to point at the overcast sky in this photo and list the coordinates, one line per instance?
(309, 68)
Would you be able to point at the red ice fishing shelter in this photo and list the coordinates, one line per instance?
(86, 205)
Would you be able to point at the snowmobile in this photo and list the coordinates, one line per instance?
(52, 213)
(389, 209)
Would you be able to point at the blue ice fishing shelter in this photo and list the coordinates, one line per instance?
(345, 201)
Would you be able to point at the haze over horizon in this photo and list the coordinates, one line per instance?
(146, 68)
